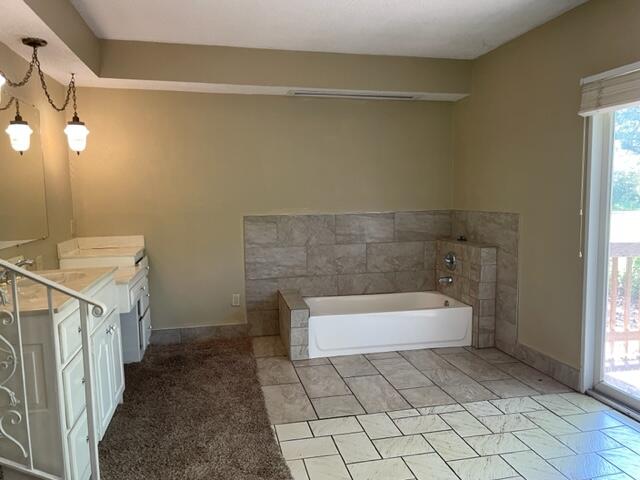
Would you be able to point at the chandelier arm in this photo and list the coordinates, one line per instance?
(27, 75)
(8, 105)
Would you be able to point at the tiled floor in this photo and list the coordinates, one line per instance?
(439, 414)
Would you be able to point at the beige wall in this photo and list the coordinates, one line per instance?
(518, 149)
(184, 168)
(56, 163)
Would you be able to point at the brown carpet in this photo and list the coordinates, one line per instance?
(192, 412)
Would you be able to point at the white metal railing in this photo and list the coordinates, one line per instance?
(14, 412)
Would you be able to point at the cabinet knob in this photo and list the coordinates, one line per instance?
(79, 329)
(144, 288)
(84, 380)
(87, 438)
(150, 327)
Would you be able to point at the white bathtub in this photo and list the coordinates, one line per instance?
(347, 325)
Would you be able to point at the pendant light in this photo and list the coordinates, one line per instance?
(19, 132)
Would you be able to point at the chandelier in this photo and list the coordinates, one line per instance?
(18, 130)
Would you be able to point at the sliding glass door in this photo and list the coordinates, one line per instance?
(617, 369)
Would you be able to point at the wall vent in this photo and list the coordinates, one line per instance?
(353, 95)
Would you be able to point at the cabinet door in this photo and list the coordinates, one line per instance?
(115, 350)
(103, 376)
(145, 325)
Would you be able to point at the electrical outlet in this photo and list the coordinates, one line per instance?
(235, 300)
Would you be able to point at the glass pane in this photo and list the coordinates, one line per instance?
(622, 338)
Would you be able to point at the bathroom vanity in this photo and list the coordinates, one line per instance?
(51, 340)
(127, 253)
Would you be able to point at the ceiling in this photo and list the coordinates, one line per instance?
(462, 29)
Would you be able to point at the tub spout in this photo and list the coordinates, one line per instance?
(448, 280)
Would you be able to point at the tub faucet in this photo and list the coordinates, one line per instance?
(448, 280)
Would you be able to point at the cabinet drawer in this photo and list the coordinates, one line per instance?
(79, 450)
(69, 336)
(139, 291)
(74, 391)
(107, 295)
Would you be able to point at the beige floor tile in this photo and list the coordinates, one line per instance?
(557, 404)
(334, 426)
(268, 347)
(532, 467)
(590, 442)
(298, 471)
(450, 445)
(543, 444)
(275, 371)
(378, 425)
(400, 373)
(425, 360)
(293, 431)
(465, 424)
(585, 402)
(426, 397)
(592, 421)
(327, 468)
(421, 424)
(481, 409)
(430, 467)
(381, 355)
(582, 467)
(322, 381)
(448, 376)
(625, 460)
(509, 388)
(287, 404)
(551, 423)
(388, 469)
(341, 406)
(517, 405)
(496, 444)
(401, 446)
(308, 447)
(482, 468)
(356, 447)
(409, 412)
(476, 368)
(629, 437)
(492, 355)
(438, 409)
(353, 366)
(534, 378)
(376, 394)
(469, 392)
(311, 362)
(507, 423)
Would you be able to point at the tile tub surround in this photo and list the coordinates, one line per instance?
(343, 254)
(294, 324)
(474, 283)
(363, 426)
(503, 231)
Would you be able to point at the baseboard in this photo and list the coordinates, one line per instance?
(556, 369)
(172, 336)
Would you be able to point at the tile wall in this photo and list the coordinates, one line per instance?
(346, 254)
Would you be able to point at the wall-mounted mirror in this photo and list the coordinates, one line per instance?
(23, 210)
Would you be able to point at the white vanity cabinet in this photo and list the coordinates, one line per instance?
(55, 376)
(132, 279)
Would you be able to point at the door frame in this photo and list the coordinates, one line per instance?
(599, 149)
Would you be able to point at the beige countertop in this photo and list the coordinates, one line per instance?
(32, 297)
(135, 251)
(125, 275)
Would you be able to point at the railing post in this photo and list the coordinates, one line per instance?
(87, 356)
(627, 301)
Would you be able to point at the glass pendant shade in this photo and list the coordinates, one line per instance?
(19, 133)
(76, 132)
